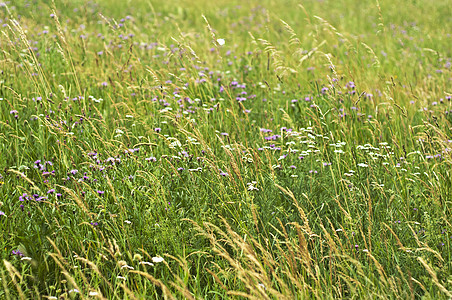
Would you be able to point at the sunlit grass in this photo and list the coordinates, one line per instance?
(222, 149)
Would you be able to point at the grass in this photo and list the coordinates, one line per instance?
(226, 149)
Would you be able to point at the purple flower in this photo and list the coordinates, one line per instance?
(17, 253)
(158, 129)
(73, 172)
(101, 192)
(23, 197)
(51, 191)
(350, 85)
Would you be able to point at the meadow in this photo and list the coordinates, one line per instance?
(225, 149)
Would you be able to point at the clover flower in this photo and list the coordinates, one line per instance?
(17, 253)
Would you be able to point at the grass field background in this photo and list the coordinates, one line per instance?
(225, 149)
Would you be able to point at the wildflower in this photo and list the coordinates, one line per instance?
(251, 186)
(221, 42)
(157, 259)
(101, 192)
(17, 253)
(51, 191)
(127, 267)
(2, 213)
